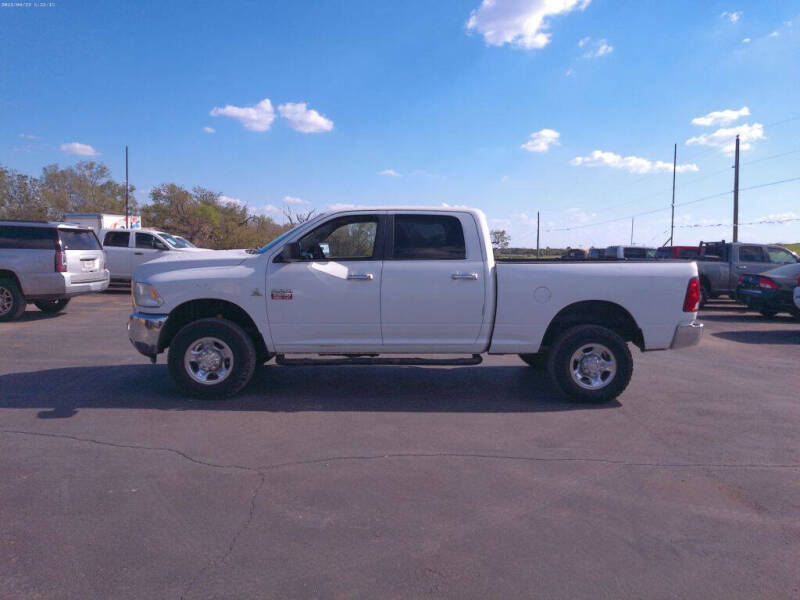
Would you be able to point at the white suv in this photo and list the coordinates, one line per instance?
(47, 264)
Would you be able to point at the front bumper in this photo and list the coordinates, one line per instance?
(687, 335)
(144, 331)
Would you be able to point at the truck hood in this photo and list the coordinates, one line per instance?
(196, 259)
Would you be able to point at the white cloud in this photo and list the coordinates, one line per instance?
(519, 22)
(209, 129)
(390, 173)
(266, 209)
(304, 119)
(570, 72)
(254, 118)
(294, 200)
(732, 16)
(579, 215)
(79, 149)
(746, 41)
(724, 138)
(721, 117)
(340, 206)
(28, 136)
(540, 141)
(774, 34)
(234, 201)
(597, 49)
(632, 164)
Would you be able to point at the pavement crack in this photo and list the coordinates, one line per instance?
(197, 461)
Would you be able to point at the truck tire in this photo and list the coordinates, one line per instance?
(51, 306)
(12, 302)
(537, 361)
(590, 363)
(211, 359)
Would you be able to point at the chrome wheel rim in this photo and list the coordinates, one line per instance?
(593, 366)
(208, 361)
(6, 301)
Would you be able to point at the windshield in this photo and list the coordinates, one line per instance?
(176, 241)
(275, 242)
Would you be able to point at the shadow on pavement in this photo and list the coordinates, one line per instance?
(34, 314)
(782, 336)
(490, 389)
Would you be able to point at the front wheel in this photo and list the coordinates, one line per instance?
(51, 306)
(590, 363)
(211, 359)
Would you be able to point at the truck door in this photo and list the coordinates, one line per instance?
(118, 254)
(146, 247)
(750, 260)
(328, 300)
(434, 284)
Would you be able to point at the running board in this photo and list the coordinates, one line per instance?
(476, 359)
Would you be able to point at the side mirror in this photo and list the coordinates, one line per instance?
(290, 252)
(159, 245)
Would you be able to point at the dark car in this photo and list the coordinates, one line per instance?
(770, 292)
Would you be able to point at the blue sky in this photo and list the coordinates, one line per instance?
(563, 107)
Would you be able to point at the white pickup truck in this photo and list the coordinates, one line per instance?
(363, 284)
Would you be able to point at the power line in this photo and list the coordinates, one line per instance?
(657, 210)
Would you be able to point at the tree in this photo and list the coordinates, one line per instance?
(500, 239)
(296, 217)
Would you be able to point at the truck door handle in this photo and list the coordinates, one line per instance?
(470, 276)
(741, 267)
(138, 253)
(360, 276)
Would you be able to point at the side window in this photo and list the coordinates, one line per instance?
(781, 256)
(346, 238)
(146, 241)
(117, 239)
(635, 252)
(27, 238)
(752, 254)
(687, 253)
(428, 237)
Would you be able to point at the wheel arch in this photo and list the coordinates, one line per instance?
(8, 273)
(595, 312)
(204, 308)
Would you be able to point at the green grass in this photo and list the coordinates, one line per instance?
(793, 247)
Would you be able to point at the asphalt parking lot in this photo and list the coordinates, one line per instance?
(401, 482)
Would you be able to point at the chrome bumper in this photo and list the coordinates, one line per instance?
(687, 335)
(144, 331)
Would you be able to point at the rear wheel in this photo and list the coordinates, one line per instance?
(12, 302)
(211, 358)
(590, 363)
(51, 306)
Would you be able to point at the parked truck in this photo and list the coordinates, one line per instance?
(720, 265)
(369, 284)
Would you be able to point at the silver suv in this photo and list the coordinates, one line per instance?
(47, 263)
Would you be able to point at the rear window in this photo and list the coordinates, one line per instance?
(73, 239)
(428, 237)
(27, 238)
(117, 239)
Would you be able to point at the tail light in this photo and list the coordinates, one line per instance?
(767, 284)
(61, 260)
(691, 303)
(741, 279)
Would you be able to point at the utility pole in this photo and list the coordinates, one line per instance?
(631, 231)
(126, 188)
(537, 234)
(672, 220)
(736, 194)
